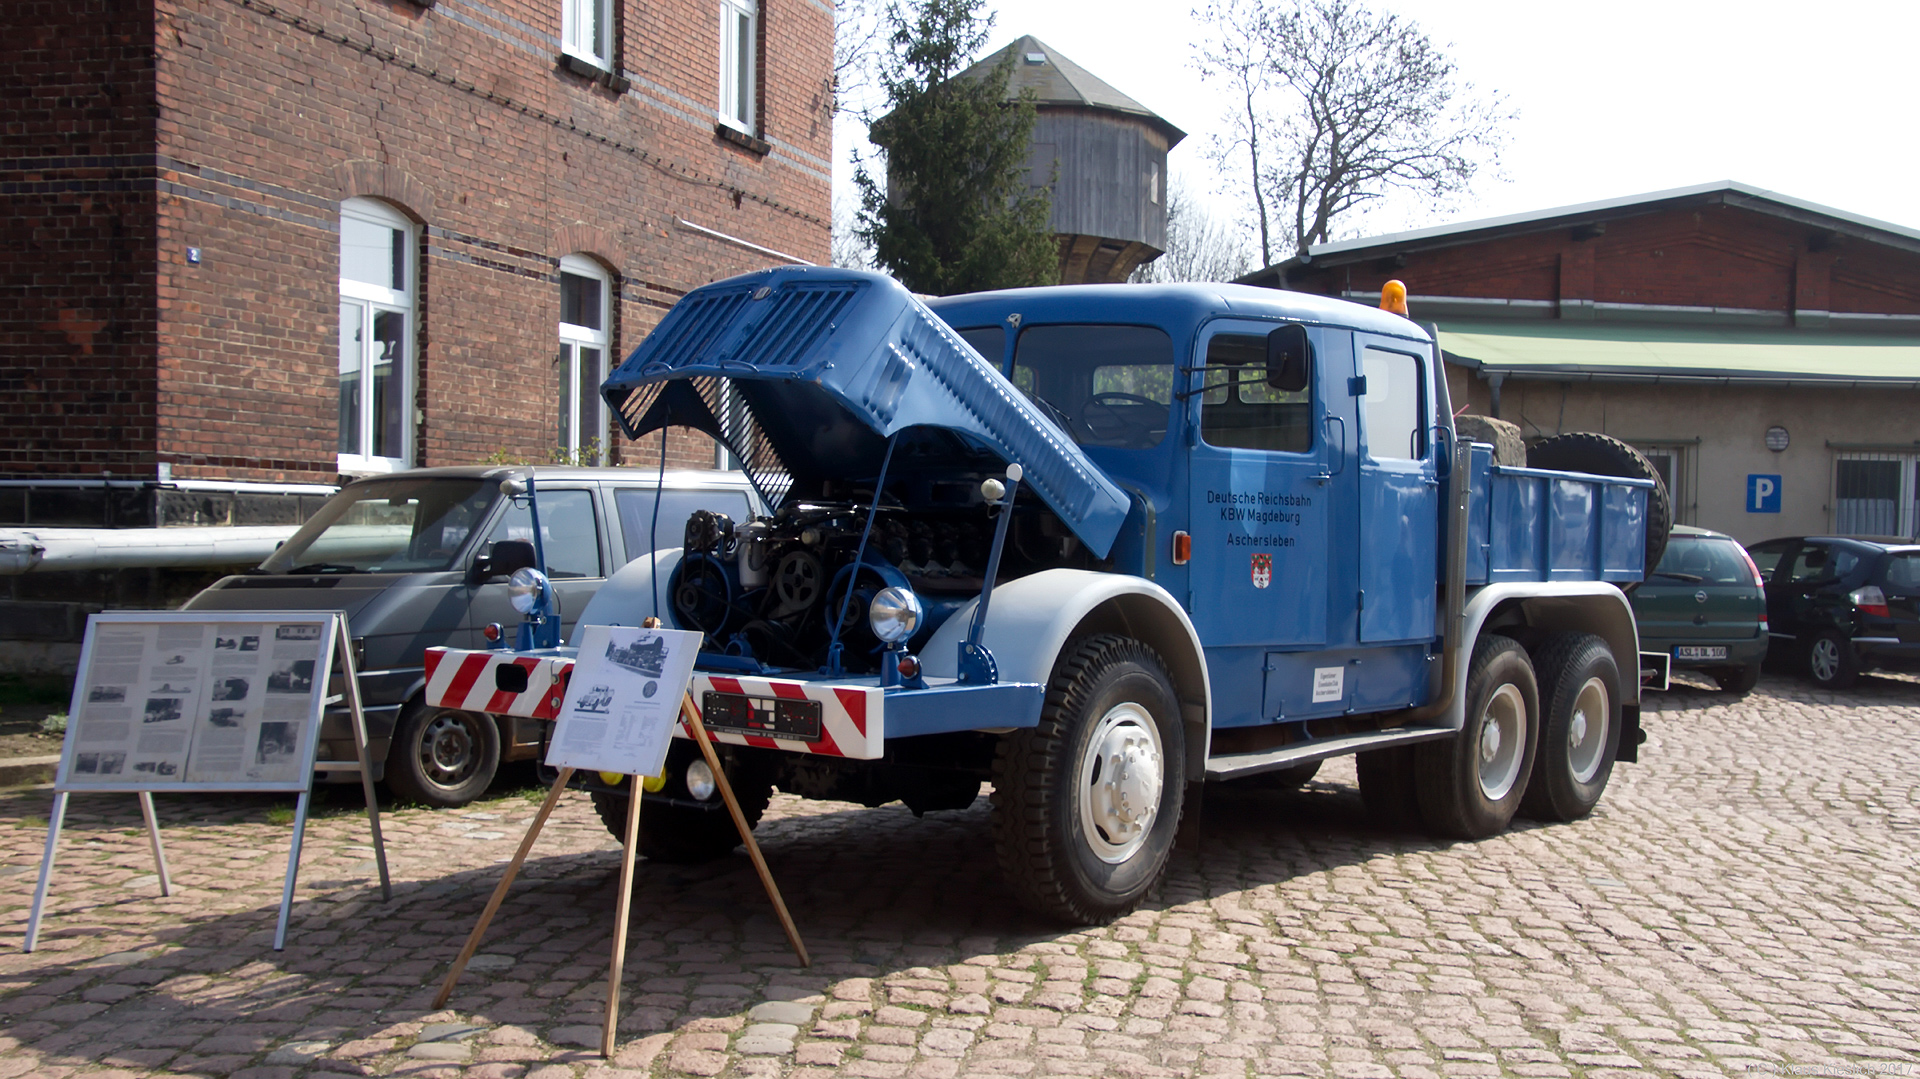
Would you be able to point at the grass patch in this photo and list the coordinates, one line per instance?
(33, 822)
(280, 815)
(55, 723)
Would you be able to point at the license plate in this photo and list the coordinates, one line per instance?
(771, 717)
(1700, 651)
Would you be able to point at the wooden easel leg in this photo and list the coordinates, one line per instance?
(692, 716)
(500, 891)
(623, 906)
(54, 824)
(153, 837)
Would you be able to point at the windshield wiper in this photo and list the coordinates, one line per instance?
(324, 567)
(1687, 577)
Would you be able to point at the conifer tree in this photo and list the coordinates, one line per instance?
(956, 213)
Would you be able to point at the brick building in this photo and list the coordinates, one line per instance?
(1763, 351)
(255, 246)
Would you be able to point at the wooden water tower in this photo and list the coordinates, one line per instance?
(1110, 193)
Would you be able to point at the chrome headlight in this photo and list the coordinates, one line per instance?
(700, 782)
(526, 588)
(895, 614)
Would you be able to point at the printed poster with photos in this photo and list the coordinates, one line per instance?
(211, 703)
(624, 699)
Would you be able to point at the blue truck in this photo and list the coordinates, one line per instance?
(1099, 546)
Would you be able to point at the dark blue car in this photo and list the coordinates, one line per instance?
(1839, 606)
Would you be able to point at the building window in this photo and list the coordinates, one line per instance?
(376, 337)
(586, 31)
(1877, 494)
(582, 366)
(1674, 464)
(739, 41)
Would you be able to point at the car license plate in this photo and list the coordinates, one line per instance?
(773, 717)
(1700, 651)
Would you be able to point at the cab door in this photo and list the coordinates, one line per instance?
(576, 565)
(1399, 492)
(1259, 499)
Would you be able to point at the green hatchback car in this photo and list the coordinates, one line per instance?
(1705, 605)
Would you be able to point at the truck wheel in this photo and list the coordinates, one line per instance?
(1738, 681)
(1386, 786)
(1831, 663)
(1470, 785)
(1604, 455)
(1579, 730)
(1086, 804)
(442, 757)
(683, 835)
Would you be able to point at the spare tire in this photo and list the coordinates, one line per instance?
(1604, 455)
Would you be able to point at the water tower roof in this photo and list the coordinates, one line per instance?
(1056, 80)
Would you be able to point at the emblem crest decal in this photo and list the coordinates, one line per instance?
(1262, 570)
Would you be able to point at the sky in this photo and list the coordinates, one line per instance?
(1819, 101)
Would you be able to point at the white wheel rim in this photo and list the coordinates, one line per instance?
(1587, 731)
(1826, 659)
(1120, 783)
(1501, 741)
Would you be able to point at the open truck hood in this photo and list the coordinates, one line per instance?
(828, 359)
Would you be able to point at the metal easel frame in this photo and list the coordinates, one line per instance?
(334, 629)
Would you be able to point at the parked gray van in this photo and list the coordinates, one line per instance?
(408, 557)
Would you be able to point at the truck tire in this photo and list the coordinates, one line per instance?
(1470, 785)
(1386, 786)
(442, 757)
(683, 835)
(1604, 455)
(1579, 727)
(1086, 804)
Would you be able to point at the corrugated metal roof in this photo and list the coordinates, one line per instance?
(1651, 352)
(1056, 80)
(1731, 192)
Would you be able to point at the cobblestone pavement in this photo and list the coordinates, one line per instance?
(1743, 901)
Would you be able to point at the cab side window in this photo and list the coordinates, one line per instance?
(1813, 563)
(1239, 409)
(569, 532)
(1391, 406)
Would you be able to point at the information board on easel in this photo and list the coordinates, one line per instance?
(189, 701)
(627, 691)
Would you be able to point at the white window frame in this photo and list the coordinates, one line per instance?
(373, 299)
(572, 339)
(739, 54)
(578, 20)
(1907, 498)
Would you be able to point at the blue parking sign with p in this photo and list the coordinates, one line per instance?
(1763, 493)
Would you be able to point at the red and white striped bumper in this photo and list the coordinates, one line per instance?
(852, 717)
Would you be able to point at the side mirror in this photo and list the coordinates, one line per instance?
(505, 557)
(1289, 359)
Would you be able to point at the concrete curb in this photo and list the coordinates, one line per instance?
(28, 771)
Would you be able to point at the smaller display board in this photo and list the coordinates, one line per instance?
(623, 699)
(188, 701)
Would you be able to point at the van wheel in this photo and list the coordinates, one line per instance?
(1580, 728)
(1470, 785)
(442, 757)
(1086, 804)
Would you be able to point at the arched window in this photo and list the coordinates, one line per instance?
(377, 304)
(585, 338)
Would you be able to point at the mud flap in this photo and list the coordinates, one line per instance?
(1630, 734)
(1191, 822)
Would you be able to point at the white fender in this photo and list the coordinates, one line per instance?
(1031, 619)
(1584, 606)
(628, 595)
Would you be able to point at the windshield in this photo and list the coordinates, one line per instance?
(1703, 560)
(398, 525)
(1104, 385)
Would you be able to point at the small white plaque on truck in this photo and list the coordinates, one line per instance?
(1329, 684)
(624, 699)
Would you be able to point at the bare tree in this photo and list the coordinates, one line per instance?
(1346, 106)
(1200, 247)
(856, 31)
(850, 250)
(1236, 55)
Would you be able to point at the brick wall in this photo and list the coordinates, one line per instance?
(77, 298)
(1711, 256)
(268, 115)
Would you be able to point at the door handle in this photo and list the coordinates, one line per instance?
(1338, 455)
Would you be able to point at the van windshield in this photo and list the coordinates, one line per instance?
(398, 525)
